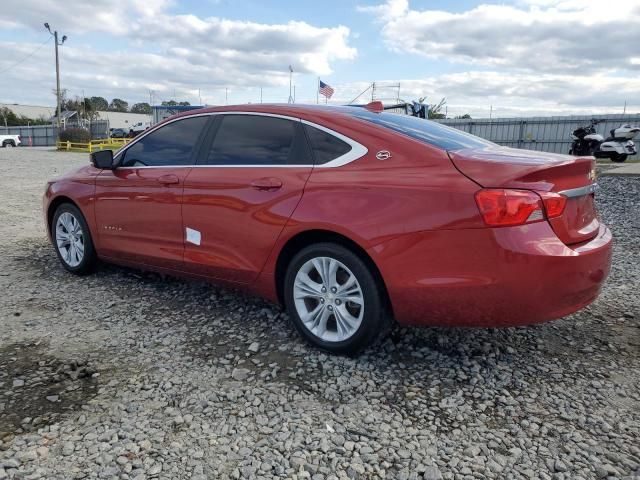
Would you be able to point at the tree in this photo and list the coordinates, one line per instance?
(118, 105)
(63, 97)
(99, 103)
(435, 110)
(173, 103)
(464, 117)
(142, 107)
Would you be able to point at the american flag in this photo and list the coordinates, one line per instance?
(325, 89)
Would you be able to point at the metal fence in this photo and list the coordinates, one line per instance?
(547, 134)
(47, 135)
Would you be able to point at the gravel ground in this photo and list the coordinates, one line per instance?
(125, 374)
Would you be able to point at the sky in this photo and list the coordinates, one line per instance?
(520, 57)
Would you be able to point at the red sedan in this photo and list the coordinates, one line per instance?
(349, 216)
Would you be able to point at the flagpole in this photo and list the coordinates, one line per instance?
(290, 84)
(318, 92)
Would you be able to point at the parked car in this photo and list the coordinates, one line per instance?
(119, 133)
(138, 128)
(8, 141)
(350, 217)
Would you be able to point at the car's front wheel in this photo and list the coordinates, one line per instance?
(334, 299)
(72, 239)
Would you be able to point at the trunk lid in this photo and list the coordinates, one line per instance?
(502, 167)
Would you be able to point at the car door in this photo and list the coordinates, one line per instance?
(139, 204)
(239, 196)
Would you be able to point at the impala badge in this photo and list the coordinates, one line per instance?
(383, 155)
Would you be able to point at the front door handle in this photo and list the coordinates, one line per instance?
(267, 184)
(169, 179)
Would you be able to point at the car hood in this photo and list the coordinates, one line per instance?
(81, 173)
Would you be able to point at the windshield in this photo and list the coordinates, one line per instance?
(423, 130)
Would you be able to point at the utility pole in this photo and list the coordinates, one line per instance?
(58, 44)
(260, 94)
(226, 95)
(151, 106)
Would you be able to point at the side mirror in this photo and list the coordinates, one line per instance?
(102, 159)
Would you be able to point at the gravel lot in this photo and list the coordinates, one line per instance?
(125, 374)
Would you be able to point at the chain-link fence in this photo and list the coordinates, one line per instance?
(46, 135)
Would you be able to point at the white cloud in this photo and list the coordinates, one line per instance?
(536, 35)
(513, 94)
(164, 51)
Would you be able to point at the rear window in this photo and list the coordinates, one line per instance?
(326, 147)
(423, 130)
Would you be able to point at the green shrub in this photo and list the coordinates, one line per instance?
(76, 135)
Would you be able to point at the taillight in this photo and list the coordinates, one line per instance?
(554, 203)
(502, 207)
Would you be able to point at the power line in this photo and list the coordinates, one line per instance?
(27, 57)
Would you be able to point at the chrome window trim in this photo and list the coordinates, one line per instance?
(357, 149)
(580, 191)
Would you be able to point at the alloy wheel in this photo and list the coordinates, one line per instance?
(328, 298)
(70, 239)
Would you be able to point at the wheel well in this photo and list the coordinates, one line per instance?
(304, 239)
(53, 206)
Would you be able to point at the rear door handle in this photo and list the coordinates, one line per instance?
(169, 179)
(267, 184)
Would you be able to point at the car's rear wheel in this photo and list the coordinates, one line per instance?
(72, 239)
(8, 144)
(334, 299)
(618, 157)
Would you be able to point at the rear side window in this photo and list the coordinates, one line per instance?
(326, 147)
(169, 145)
(257, 140)
(423, 130)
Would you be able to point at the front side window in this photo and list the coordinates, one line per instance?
(326, 147)
(257, 140)
(169, 145)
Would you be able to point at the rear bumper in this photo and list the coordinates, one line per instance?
(493, 277)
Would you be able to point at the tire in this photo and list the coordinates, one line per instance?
(619, 157)
(68, 217)
(328, 321)
(8, 144)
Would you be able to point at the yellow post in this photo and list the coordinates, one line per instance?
(68, 145)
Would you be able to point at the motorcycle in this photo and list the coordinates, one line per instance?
(617, 147)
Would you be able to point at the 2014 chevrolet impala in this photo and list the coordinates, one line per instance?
(348, 216)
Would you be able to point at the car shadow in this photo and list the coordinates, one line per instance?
(452, 372)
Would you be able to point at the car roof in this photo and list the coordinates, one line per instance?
(295, 110)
